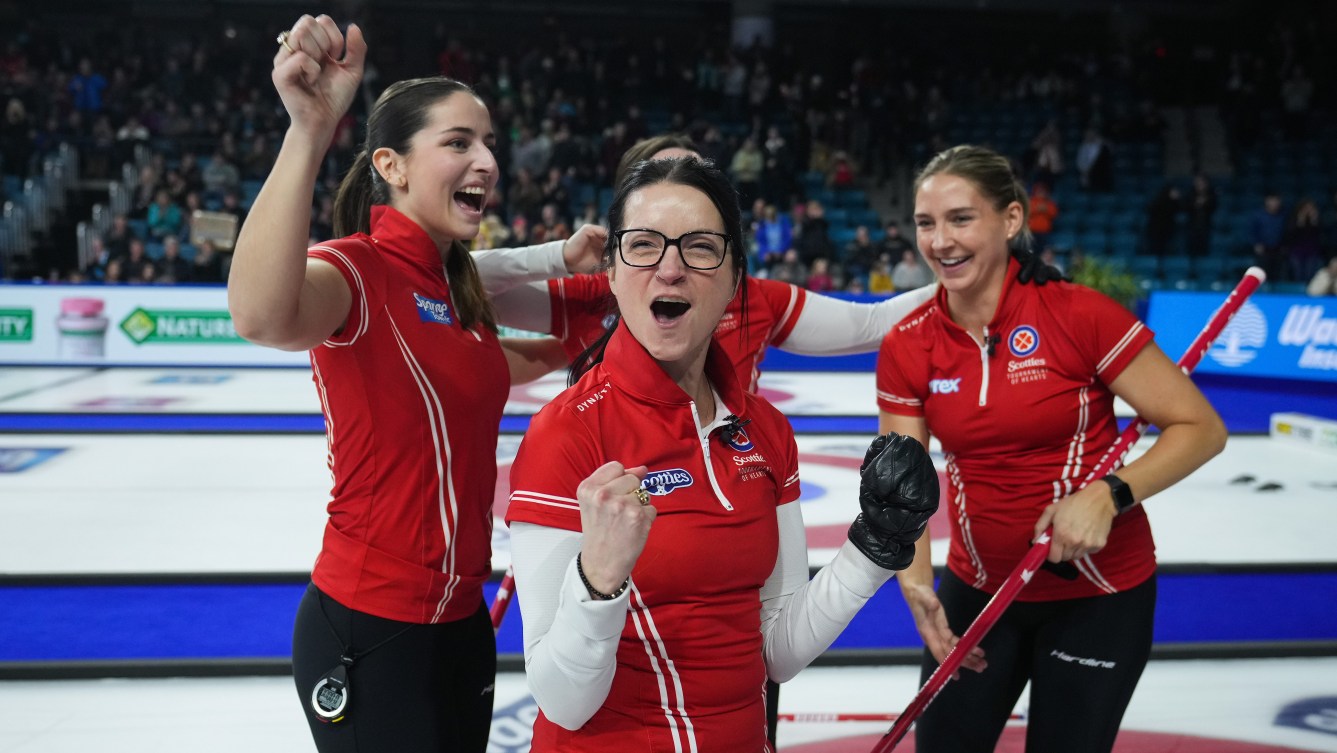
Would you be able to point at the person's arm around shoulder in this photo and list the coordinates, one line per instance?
(1191, 433)
(502, 269)
(916, 581)
(830, 326)
(276, 296)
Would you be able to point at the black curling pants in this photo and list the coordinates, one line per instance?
(1083, 658)
(420, 689)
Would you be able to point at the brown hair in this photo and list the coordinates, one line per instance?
(992, 175)
(646, 148)
(399, 113)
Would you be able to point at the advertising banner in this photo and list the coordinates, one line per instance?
(1279, 336)
(132, 325)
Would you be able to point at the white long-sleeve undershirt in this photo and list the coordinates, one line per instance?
(834, 327)
(571, 639)
(502, 269)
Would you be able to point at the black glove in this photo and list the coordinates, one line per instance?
(1034, 270)
(898, 493)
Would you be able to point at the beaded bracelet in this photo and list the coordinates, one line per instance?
(594, 591)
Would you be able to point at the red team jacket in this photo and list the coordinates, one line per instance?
(411, 402)
(581, 306)
(687, 677)
(1021, 428)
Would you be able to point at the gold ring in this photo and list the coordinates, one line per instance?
(282, 39)
(642, 496)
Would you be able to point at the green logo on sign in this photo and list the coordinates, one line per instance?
(15, 325)
(180, 327)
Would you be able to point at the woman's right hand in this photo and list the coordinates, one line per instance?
(614, 524)
(931, 621)
(318, 79)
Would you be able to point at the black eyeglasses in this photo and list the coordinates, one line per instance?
(699, 249)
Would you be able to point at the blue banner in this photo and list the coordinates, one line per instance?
(1282, 336)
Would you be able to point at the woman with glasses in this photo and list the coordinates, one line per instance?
(575, 309)
(658, 548)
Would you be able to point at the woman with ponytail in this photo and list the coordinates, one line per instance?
(393, 649)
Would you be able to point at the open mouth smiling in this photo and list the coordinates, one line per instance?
(668, 309)
(471, 198)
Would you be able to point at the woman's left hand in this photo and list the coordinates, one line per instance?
(1081, 522)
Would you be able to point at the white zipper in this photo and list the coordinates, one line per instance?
(705, 453)
(984, 367)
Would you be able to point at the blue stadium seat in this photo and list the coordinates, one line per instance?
(851, 198)
(1176, 267)
(1145, 266)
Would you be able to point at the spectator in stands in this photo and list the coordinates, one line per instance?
(172, 267)
(1162, 214)
(860, 254)
(1043, 162)
(1267, 230)
(136, 265)
(842, 172)
(893, 243)
(1095, 162)
(746, 169)
(16, 139)
(530, 152)
(131, 134)
(814, 240)
(778, 171)
(118, 236)
(910, 273)
(1044, 211)
(98, 257)
(1302, 243)
(790, 269)
(232, 205)
(879, 280)
(86, 88)
(257, 160)
(525, 196)
(774, 236)
(556, 190)
(1200, 208)
(146, 188)
(220, 176)
(164, 216)
(492, 233)
(819, 277)
(1324, 282)
(208, 264)
(114, 273)
(557, 228)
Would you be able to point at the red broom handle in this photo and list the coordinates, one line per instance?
(504, 593)
(1025, 570)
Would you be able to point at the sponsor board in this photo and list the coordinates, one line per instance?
(1287, 336)
(138, 325)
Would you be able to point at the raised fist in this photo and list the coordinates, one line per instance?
(898, 493)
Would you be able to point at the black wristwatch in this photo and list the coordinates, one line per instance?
(1123, 496)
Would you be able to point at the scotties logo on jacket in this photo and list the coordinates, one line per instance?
(739, 440)
(659, 483)
(1023, 341)
(430, 310)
